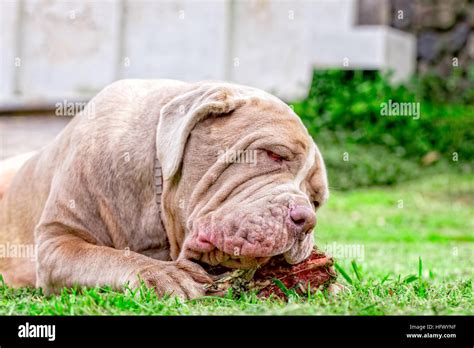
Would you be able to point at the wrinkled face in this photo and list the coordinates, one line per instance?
(250, 186)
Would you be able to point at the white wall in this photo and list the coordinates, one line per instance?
(56, 49)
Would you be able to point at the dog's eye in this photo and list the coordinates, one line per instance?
(274, 156)
(316, 204)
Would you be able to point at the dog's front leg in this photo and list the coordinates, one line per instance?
(65, 259)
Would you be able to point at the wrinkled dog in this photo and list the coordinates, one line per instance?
(155, 179)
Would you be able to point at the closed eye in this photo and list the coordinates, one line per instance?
(274, 156)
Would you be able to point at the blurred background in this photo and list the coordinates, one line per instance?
(403, 184)
(335, 60)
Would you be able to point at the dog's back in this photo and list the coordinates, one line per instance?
(16, 243)
(25, 180)
(9, 167)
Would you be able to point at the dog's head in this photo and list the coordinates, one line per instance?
(243, 179)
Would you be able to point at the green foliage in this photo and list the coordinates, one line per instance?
(456, 89)
(343, 114)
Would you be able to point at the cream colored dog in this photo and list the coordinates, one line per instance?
(88, 200)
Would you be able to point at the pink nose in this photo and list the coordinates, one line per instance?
(303, 217)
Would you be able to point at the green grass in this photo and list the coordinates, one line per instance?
(415, 257)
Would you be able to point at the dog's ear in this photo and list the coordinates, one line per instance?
(179, 116)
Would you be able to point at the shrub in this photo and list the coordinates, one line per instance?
(343, 113)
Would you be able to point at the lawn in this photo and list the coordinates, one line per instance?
(406, 249)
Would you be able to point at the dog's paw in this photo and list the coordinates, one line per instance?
(183, 278)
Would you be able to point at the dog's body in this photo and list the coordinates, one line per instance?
(87, 201)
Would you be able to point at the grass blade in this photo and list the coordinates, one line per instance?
(421, 286)
(420, 272)
(343, 273)
(410, 278)
(420, 267)
(385, 279)
(282, 286)
(356, 270)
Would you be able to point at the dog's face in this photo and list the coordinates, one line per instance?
(250, 183)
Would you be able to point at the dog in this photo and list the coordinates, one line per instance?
(140, 187)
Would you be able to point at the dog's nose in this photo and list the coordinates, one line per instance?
(303, 217)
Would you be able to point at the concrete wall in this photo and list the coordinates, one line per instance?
(60, 49)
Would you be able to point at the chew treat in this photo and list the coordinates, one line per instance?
(316, 272)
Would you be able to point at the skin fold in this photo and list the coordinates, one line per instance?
(87, 201)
